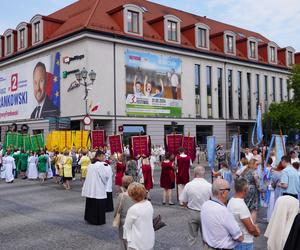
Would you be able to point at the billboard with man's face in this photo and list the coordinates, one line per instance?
(153, 84)
(31, 90)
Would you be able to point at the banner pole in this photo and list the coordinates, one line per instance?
(282, 141)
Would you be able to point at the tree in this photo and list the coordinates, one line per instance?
(286, 115)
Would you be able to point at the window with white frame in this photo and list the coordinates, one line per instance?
(172, 31)
(290, 58)
(8, 44)
(202, 34)
(133, 19)
(37, 31)
(252, 47)
(272, 54)
(229, 44)
(22, 38)
(172, 28)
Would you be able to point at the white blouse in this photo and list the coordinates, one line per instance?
(138, 227)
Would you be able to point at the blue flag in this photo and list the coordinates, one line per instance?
(211, 151)
(55, 92)
(258, 129)
(235, 150)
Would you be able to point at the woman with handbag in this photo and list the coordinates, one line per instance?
(138, 226)
(167, 179)
(124, 202)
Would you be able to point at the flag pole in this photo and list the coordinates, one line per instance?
(282, 141)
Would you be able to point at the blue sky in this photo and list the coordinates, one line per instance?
(278, 20)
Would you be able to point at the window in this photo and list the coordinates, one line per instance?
(252, 49)
(281, 89)
(8, 44)
(197, 88)
(132, 21)
(201, 133)
(287, 90)
(272, 54)
(239, 89)
(172, 31)
(22, 38)
(290, 58)
(220, 91)
(273, 88)
(209, 91)
(249, 94)
(133, 130)
(229, 44)
(202, 35)
(229, 80)
(36, 32)
(266, 93)
(257, 90)
(169, 129)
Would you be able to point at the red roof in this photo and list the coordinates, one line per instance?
(94, 15)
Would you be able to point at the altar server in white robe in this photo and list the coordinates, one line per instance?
(10, 166)
(94, 189)
(32, 172)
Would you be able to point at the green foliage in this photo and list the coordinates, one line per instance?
(294, 83)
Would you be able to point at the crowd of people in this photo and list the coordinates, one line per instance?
(221, 214)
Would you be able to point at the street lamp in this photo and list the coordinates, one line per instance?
(81, 78)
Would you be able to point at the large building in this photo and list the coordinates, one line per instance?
(154, 65)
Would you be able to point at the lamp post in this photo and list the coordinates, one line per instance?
(81, 78)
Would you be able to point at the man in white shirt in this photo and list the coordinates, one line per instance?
(194, 194)
(294, 157)
(239, 209)
(219, 228)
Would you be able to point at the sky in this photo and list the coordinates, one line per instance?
(278, 20)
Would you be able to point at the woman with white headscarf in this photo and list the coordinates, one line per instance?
(285, 211)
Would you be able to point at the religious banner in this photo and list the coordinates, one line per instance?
(115, 143)
(82, 140)
(66, 140)
(188, 143)
(140, 145)
(98, 138)
(173, 143)
(37, 142)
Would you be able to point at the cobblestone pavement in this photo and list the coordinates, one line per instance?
(45, 216)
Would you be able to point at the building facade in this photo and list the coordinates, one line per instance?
(154, 65)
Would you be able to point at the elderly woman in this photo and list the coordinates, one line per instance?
(138, 227)
(124, 202)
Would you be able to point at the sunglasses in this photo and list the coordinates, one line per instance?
(224, 189)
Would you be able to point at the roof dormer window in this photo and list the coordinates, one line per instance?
(22, 38)
(8, 42)
(272, 52)
(133, 19)
(290, 56)
(37, 29)
(252, 48)
(172, 31)
(202, 36)
(172, 28)
(229, 42)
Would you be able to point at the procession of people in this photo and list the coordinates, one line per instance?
(237, 192)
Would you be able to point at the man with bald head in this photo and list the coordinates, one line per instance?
(44, 107)
(219, 227)
(194, 194)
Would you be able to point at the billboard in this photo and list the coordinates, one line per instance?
(31, 90)
(153, 84)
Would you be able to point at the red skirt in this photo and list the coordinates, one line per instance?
(167, 176)
(147, 174)
(120, 169)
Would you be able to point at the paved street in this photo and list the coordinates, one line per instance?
(36, 216)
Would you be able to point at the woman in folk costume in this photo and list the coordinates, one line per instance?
(84, 162)
(32, 173)
(42, 166)
(120, 170)
(9, 166)
(147, 175)
(167, 178)
(67, 167)
(285, 210)
(94, 190)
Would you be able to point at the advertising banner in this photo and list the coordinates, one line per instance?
(173, 143)
(188, 143)
(115, 143)
(140, 145)
(98, 138)
(153, 84)
(31, 90)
